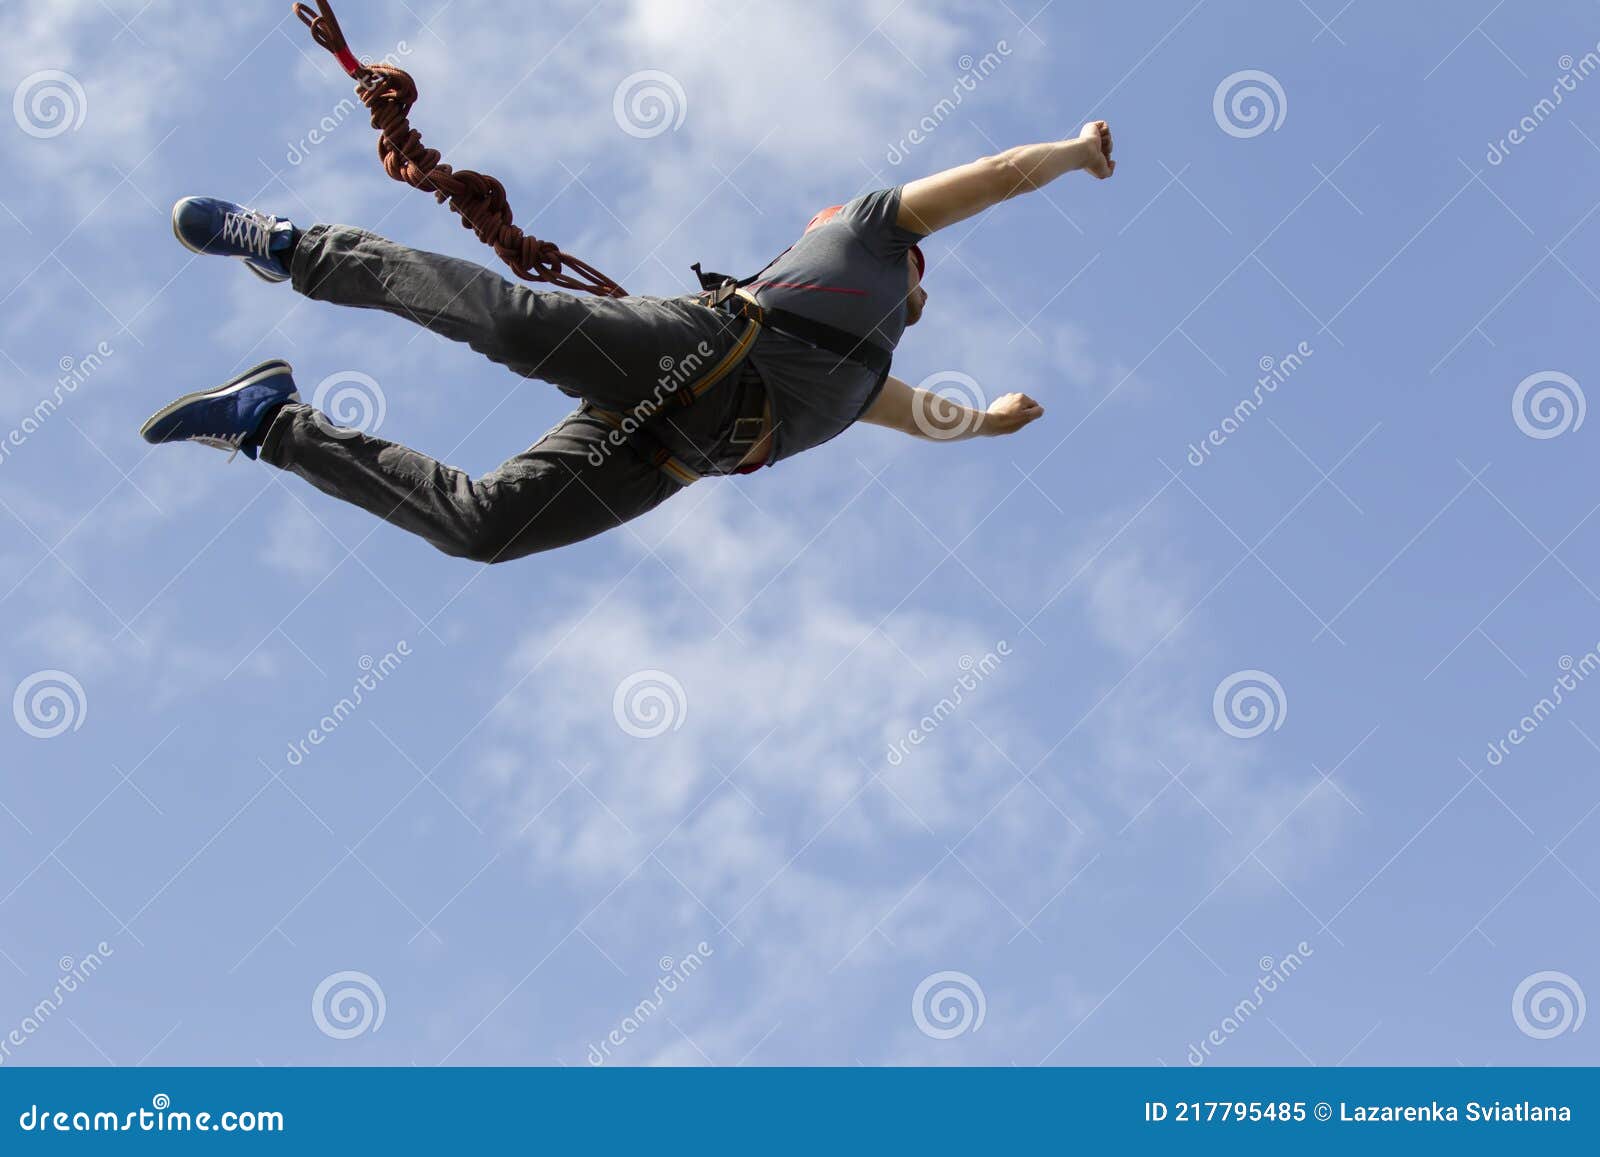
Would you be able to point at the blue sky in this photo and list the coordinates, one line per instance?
(1106, 858)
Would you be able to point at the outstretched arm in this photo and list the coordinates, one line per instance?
(924, 414)
(933, 203)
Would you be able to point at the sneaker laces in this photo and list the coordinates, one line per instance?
(231, 442)
(250, 230)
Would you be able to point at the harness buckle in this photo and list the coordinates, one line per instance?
(747, 431)
(749, 309)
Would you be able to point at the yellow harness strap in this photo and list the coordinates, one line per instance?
(673, 467)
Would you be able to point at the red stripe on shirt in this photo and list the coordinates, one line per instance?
(807, 285)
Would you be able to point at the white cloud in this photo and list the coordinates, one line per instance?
(832, 690)
(136, 82)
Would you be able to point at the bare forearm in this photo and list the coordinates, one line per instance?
(936, 202)
(944, 420)
(938, 418)
(1026, 168)
(941, 419)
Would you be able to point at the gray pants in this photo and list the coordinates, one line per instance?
(574, 482)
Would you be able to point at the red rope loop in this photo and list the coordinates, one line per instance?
(388, 94)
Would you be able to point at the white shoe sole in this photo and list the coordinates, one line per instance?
(248, 378)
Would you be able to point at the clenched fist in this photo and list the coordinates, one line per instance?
(1011, 412)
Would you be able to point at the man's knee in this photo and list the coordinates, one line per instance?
(481, 543)
(473, 531)
(500, 528)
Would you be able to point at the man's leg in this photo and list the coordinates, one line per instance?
(612, 352)
(570, 485)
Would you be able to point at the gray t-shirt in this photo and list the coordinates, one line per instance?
(850, 273)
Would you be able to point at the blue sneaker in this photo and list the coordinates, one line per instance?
(228, 417)
(224, 229)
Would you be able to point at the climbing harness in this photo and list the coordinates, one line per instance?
(480, 200)
(724, 293)
(637, 427)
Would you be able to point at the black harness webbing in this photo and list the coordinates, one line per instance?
(724, 291)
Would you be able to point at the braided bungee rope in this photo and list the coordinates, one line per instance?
(480, 200)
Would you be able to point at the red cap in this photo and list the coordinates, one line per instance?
(832, 211)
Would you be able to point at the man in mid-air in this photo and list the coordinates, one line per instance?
(671, 388)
